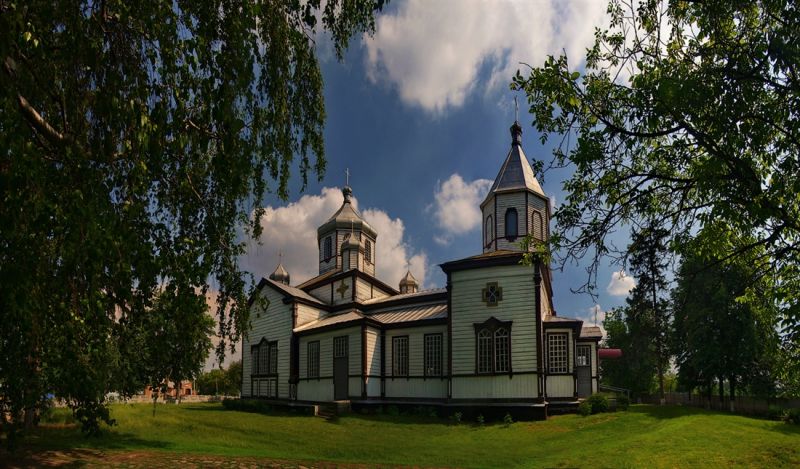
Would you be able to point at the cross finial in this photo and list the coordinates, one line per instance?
(516, 110)
(347, 177)
(280, 256)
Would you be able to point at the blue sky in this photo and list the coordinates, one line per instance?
(420, 114)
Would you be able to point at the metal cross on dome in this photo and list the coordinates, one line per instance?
(347, 177)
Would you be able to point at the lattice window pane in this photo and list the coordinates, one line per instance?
(557, 353)
(340, 347)
(368, 250)
(583, 357)
(433, 355)
(254, 360)
(313, 359)
(502, 346)
(263, 358)
(484, 351)
(399, 356)
(273, 358)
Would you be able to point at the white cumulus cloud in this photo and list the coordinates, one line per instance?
(433, 52)
(456, 206)
(292, 231)
(620, 284)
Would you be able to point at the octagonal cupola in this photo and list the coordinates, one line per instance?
(516, 205)
(346, 225)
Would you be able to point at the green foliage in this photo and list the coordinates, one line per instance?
(635, 370)
(221, 382)
(138, 141)
(481, 421)
(725, 322)
(684, 115)
(508, 419)
(247, 405)
(623, 402)
(457, 417)
(776, 412)
(598, 403)
(585, 408)
(793, 416)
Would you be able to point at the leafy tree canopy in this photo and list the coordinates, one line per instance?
(687, 115)
(137, 140)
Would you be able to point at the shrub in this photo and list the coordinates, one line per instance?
(599, 403)
(793, 416)
(481, 420)
(508, 420)
(457, 417)
(585, 408)
(393, 410)
(247, 405)
(776, 412)
(623, 402)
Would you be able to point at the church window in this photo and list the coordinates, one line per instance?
(313, 359)
(492, 294)
(400, 356)
(433, 354)
(512, 226)
(487, 231)
(493, 346)
(265, 358)
(328, 250)
(484, 351)
(557, 354)
(368, 250)
(501, 349)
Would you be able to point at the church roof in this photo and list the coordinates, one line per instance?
(347, 217)
(591, 332)
(516, 173)
(330, 321)
(408, 314)
(291, 291)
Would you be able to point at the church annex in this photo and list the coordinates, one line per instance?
(490, 338)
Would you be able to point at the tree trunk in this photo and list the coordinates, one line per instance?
(733, 392)
(721, 392)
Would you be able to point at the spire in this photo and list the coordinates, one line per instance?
(516, 129)
(346, 190)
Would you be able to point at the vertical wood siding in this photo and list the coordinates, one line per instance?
(274, 323)
(322, 389)
(373, 362)
(504, 202)
(517, 305)
(488, 387)
(561, 386)
(432, 387)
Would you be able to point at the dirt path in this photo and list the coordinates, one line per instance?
(89, 458)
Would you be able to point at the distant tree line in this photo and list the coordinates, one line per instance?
(221, 382)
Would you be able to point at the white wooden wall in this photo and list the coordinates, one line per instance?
(468, 308)
(322, 389)
(273, 324)
(415, 386)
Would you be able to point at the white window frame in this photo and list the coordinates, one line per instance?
(558, 352)
(433, 354)
(400, 356)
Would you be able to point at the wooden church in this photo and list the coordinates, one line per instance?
(490, 339)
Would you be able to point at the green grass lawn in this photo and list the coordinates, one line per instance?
(644, 436)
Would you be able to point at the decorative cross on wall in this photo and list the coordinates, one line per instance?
(343, 287)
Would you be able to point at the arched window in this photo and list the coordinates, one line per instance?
(512, 227)
(328, 251)
(368, 250)
(488, 230)
(484, 351)
(493, 346)
(501, 349)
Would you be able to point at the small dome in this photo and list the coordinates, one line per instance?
(280, 275)
(351, 243)
(408, 284)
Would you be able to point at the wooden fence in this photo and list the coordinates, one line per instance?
(744, 405)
